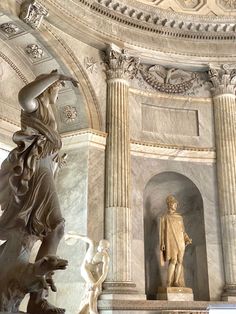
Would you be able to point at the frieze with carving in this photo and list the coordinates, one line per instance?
(169, 81)
(32, 13)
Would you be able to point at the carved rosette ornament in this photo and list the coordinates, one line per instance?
(70, 113)
(120, 67)
(224, 80)
(34, 51)
(9, 28)
(32, 13)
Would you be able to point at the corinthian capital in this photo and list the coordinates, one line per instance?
(120, 64)
(223, 79)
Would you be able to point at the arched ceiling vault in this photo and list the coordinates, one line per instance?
(26, 53)
(156, 35)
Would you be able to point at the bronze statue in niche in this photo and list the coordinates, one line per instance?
(29, 201)
(173, 240)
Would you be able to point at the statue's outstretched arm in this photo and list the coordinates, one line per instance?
(27, 95)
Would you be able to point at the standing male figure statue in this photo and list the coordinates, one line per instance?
(29, 200)
(173, 240)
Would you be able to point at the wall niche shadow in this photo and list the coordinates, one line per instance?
(191, 208)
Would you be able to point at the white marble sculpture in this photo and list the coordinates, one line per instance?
(94, 269)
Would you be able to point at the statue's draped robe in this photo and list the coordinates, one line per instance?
(173, 236)
(28, 196)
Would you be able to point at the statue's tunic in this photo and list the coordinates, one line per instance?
(27, 191)
(172, 235)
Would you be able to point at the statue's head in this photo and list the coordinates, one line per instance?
(172, 203)
(103, 245)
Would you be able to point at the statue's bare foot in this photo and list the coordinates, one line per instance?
(43, 307)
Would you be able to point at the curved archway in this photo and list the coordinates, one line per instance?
(191, 208)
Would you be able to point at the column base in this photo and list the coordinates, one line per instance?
(175, 294)
(229, 293)
(120, 291)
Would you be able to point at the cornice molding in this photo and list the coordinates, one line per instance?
(168, 24)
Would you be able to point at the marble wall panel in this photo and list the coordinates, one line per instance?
(171, 120)
(204, 178)
(81, 192)
(168, 120)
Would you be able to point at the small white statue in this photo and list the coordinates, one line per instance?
(94, 269)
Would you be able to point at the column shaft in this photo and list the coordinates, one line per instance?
(225, 131)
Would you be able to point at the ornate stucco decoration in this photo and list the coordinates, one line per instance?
(9, 28)
(32, 13)
(34, 51)
(168, 80)
(162, 22)
(70, 114)
(90, 64)
(119, 64)
(227, 4)
(223, 79)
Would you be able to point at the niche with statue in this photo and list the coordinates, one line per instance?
(190, 207)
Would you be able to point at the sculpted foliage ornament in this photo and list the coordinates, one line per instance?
(223, 79)
(168, 80)
(32, 13)
(119, 64)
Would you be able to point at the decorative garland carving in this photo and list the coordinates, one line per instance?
(163, 79)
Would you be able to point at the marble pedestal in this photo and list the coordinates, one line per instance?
(175, 294)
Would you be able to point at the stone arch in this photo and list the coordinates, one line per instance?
(191, 207)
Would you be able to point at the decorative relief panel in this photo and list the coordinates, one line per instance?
(171, 121)
(227, 4)
(34, 51)
(69, 114)
(168, 80)
(9, 28)
(191, 4)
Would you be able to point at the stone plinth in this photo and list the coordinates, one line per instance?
(175, 294)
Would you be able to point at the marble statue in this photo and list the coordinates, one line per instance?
(94, 269)
(173, 240)
(29, 201)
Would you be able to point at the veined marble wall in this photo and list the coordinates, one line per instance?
(81, 192)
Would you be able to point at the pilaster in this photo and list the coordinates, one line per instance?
(223, 91)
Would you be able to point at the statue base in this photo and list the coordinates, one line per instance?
(175, 294)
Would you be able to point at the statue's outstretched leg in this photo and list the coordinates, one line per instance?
(37, 303)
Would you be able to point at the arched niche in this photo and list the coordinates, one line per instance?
(191, 208)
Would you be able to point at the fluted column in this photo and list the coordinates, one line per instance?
(120, 68)
(224, 80)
